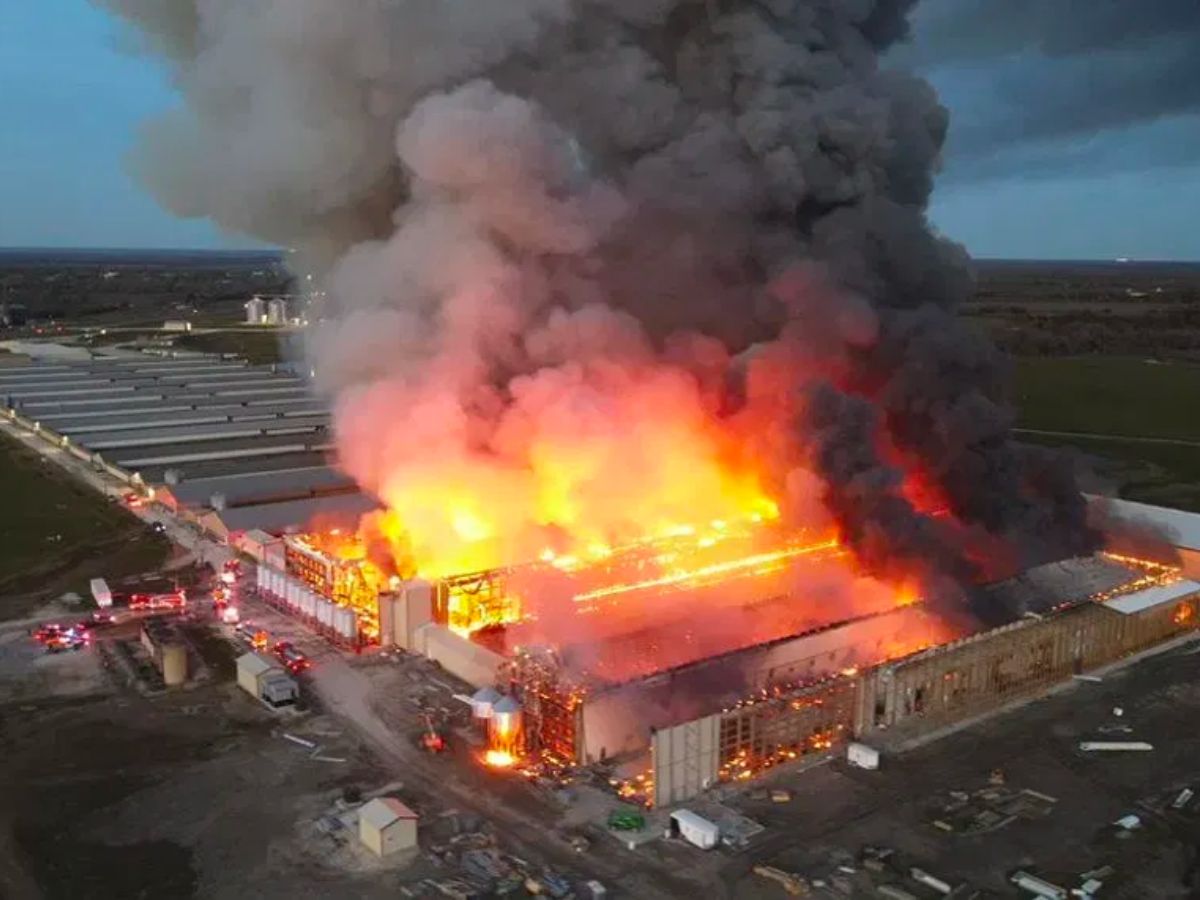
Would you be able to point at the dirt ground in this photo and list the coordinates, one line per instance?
(109, 794)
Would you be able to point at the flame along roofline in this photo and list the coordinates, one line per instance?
(595, 685)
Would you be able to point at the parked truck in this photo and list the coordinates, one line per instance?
(101, 593)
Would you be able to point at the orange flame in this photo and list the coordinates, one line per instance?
(499, 759)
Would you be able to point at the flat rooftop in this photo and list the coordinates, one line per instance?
(252, 439)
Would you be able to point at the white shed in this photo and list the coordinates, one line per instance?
(387, 826)
(694, 829)
(862, 756)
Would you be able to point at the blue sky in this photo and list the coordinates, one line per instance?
(1015, 184)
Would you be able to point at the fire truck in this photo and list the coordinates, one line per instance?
(175, 600)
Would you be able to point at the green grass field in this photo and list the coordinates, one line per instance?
(1109, 395)
(56, 534)
(259, 347)
(1110, 402)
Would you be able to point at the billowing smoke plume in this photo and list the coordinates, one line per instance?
(601, 266)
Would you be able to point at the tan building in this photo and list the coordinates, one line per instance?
(387, 826)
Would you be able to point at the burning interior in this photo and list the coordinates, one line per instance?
(768, 636)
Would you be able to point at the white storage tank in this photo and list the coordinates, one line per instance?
(483, 702)
(346, 622)
(294, 590)
(308, 604)
(506, 715)
(260, 577)
(174, 664)
(325, 613)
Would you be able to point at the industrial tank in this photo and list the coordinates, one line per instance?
(174, 664)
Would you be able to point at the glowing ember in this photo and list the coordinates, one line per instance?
(499, 759)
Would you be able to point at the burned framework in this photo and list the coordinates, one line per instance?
(688, 717)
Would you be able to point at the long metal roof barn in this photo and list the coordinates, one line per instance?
(234, 445)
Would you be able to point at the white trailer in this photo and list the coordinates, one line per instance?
(862, 756)
(694, 829)
(101, 593)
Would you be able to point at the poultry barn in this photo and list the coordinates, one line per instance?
(710, 655)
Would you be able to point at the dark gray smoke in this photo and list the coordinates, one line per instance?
(1046, 70)
(534, 218)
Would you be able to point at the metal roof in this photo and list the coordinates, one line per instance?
(184, 434)
(1066, 581)
(199, 414)
(1128, 604)
(1180, 528)
(171, 416)
(220, 467)
(255, 664)
(253, 485)
(158, 400)
(383, 811)
(267, 445)
(278, 518)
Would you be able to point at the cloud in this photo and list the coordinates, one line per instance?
(1034, 82)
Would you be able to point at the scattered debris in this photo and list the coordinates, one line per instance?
(793, 884)
(996, 777)
(990, 808)
(1115, 746)
(299, 740)
(1038, 887)
(781, 796)
(1184, 798)
(1129, 822)
(920, 876)
(1093, 678)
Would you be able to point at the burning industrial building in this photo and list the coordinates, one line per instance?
(637, 328)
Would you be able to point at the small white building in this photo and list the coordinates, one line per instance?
(387, 826)
(694, 829)
(862, 756)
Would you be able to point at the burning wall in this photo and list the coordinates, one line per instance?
(619, 720)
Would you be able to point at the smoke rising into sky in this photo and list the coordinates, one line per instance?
(598, 265)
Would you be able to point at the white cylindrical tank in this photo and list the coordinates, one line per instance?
(345, 622)
(260, 577)
(308, 604)
(325, 613)
(506, 715)
(294, 590)
(483, 702)
(174, 664)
